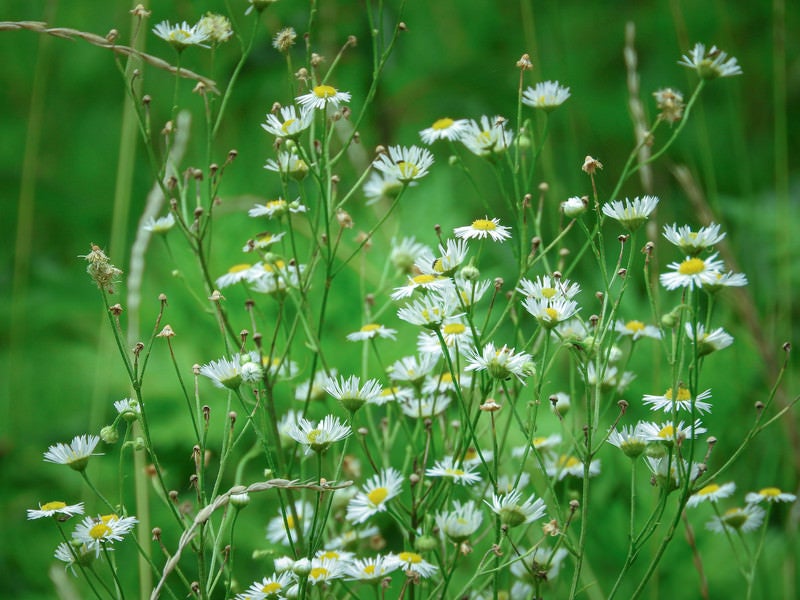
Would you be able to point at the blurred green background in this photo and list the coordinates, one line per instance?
(60, 115)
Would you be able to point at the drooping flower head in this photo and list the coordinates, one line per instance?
(712, 64)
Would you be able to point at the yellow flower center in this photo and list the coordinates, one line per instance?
(313, 435)
(286, 124)
(683, 394)
(330, 554)
(551, 313)
(109, 518)
(548, 292)
(424, 279)
(692, 266)
(568, 462)
(453, 329)
(318, 573)
(634, 326)
(54, 505)
(667, 432)
(484, 225)
(290, 521)
(446, 378)
(324, 91)
(410, 557)
(471, 454)
(271, 587)
(445, 123)
(238, 268)
(709, 489)
(770, 492)
(99, 531)
(369, 569)
(370, 327)
(275, 204)
(454, 472)
(408, 170)
(538, 441)
(378, 495)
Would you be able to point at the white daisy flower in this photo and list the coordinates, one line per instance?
(712, 493)
(377, 491)
(546, 94)
(411, 561)
(637, 330)
(669, 401)
(744, 519)
(287, 164)
(370, 331)
(443, 129)
(60, 510)
(461, 522)
(371, 570)
(482, 229)
(238, 273)
(719, 280)
(469, 291)
(513, 511)
(425, 407)
(224, 373)
(217, 27)
(458, 473)
(500, 364)
(630, 439)
(708, 342)
(548, 289)
(263, 241)
(550, 313)
(317, 385)
(406, 253)
(451, 256)
(487, 138)
(128, 408)
(381, 186)
(73, 553)
(507, 484)
(457, 337)
(290, 124)
(669, 432)
(691, 242)
(323, 571)
(428, 312)
(574, 207)
(631, 214)
(542, 443)
(270, 587)
(412, 368)
(352, 536)
(100, 532)
(318, 437)
(181, 36)
(351, 394)
(692, 272)
(405, 164)
(658, 467)
(76, 454)
(280, 531)
(712, 64)
(274, 209)
(322, 96)
(769, 494)
(276, 277)
(161, 225)
(423, 282)
(566, 464)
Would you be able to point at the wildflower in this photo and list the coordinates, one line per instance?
(181, 36)
(459, 473)
(412, 368)
(263, 241)
(461, 522)
(711, 493)
(691, 242)
(284, 39)
(161, 225)
(353, 535)
(425, 407)
(566, 464)
(128, 408)
(670, 103)
(411, 561)
(60, 510)
(280, 531)
(351, 394)
(542, 443)
(451, 256)
(443, 129)
(405, 164)
(457, 337)
(708, 342)
(216, 27)
(96, 532)
(378, 490)
(670, 432)
(288, 164)
(483, 228)
(611, 379)
(659, 466)
(238, 273)
(710, 65)
(75, 454)
(631, 215)
(500, 364)
(370, 331)
(290, 125)
(323, 571)
(224, 373)
(670, 401)
(637, 329)
(423, 282)
(547, 95)
(719, 280)
(487, 139)
(406, 253)
(692, 272)
(469, 292)
(550, 313)
(270, 587)
(276, 208)
(591, 165)
(371, 570)
(630, 439)
(573, 207)
(513, 511)
(738, 519)
(320, 436)
(322, 96)
(770, 495)
(547, 289)
(428, 312)
(543, 562)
